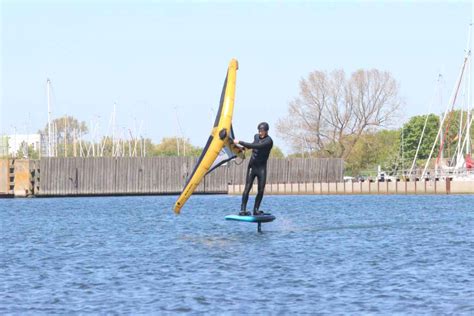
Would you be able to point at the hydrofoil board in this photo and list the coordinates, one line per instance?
(264, 218)
(259, 219)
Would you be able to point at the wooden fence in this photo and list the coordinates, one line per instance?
(293, 170)
(165, 175)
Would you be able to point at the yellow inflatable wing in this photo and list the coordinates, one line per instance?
(219, 147)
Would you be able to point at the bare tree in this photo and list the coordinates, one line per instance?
(332, 111)
(66, 126)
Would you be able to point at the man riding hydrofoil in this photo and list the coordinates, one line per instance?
(257, 167)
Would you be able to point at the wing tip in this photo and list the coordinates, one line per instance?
(234, 63)
(177, 208)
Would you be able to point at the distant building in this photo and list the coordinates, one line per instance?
(22, 141)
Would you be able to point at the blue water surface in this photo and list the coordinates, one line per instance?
(323, 254)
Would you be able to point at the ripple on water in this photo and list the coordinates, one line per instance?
(323, 254)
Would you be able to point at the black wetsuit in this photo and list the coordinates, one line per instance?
(257, 168)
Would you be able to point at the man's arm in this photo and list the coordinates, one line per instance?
(267, 143)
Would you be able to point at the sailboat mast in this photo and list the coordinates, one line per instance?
(469, 97)
(458, 153)
(402, 149)
(180, 136)
(48, 88)
(113, 131)
(449, 108)
(440, 76)
(65, 135)
(441, 153)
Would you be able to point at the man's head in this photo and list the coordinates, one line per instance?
(263, 129)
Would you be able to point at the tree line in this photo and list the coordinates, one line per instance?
(353, 117)
(70, 140)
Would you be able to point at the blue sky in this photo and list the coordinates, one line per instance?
(154, 57)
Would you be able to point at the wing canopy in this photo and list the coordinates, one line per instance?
(219, 148)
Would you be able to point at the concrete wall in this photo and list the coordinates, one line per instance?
(419, 187)
(462, 187)
(165, 175)
(15, 178)
(22, 183)
(5, 177)
(161, 175)
(122, 176)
